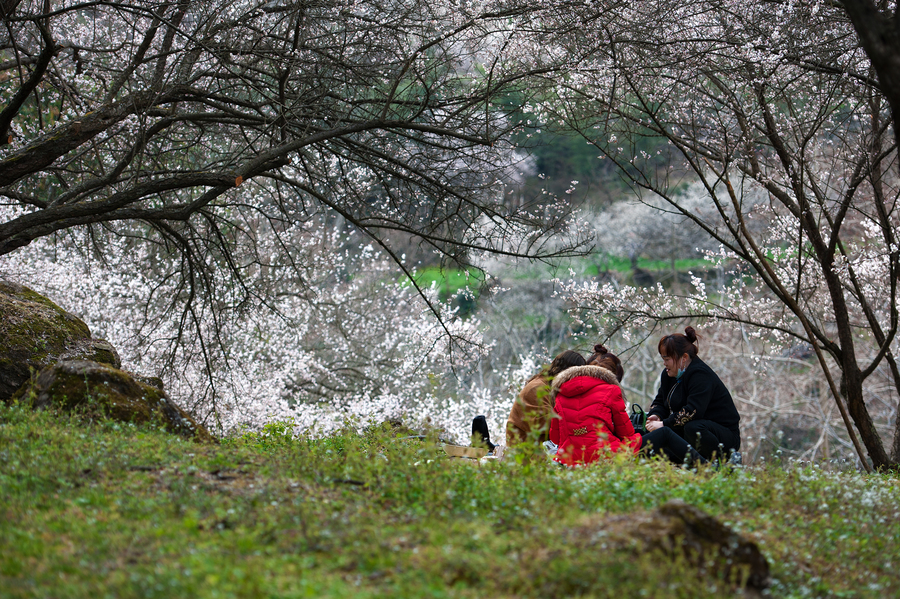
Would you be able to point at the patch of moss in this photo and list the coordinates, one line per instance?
(104, 355)
(36, 333)
(103, 392)
(94, 350)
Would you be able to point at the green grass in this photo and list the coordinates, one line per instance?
(623, 265)
(111, 510)
(449, 282)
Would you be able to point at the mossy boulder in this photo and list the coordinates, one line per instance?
(105, 392)
(36, 333)
(684, 533)
(94, 350)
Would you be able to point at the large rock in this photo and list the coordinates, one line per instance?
(35, 333)
(107, 392)
(677, 530)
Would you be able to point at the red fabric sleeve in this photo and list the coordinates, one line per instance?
(622, 427)
(613, 443)
(624, 430)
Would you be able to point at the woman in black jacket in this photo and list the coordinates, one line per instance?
(693, 412)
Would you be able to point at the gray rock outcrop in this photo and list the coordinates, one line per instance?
(100, 390)
(35, 333)
(678, 530)
(49, 359)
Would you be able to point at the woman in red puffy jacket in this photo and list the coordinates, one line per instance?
(590, 416)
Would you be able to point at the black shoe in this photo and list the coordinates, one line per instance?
(480, 432)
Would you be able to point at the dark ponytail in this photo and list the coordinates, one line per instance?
(599, 352)
(690, 334)
(604, 359)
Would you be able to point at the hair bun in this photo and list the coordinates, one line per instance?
(599, 349)
(690, 333)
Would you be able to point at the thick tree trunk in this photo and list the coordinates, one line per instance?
(895, 372)
(852, 390)
(851, 386)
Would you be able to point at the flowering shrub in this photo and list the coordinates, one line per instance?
(343, 338)
(796, 171)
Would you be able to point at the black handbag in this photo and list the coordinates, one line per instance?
(638, 419)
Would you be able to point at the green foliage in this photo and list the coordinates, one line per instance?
(623, 265)
(274, 436)
(449, 282)
(118, 510)
(460, 286)
(568, 155)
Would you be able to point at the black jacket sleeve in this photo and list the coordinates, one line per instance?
(698, 392)
(659, 407)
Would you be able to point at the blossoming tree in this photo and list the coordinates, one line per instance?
(776, 111)
(181, 115)
(194, 150)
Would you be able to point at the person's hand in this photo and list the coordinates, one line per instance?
(653, 423)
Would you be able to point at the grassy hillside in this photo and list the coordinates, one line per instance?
(109, 510)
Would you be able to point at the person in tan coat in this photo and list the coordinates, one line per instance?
(530, 414)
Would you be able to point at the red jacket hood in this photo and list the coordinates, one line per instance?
(581, 379)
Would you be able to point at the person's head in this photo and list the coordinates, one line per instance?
(603, 358)
(678, 350)
(566, 359)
